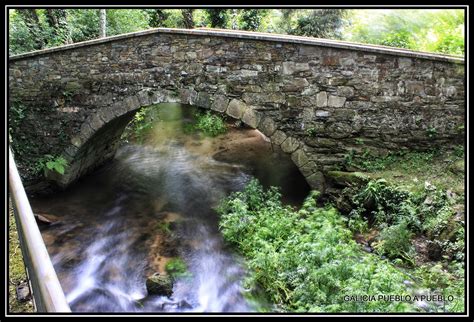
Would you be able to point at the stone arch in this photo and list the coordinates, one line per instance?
(284, 86)
(100, 133)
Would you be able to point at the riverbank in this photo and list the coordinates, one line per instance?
(404, 213)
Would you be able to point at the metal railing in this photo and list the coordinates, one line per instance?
(47, 292)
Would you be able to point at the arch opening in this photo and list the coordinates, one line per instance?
(242, 144)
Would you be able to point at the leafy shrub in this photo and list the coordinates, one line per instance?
(358, 224)
(394, 241)
(386, 204)
(399, 214)
(438, 280)
(176, 267)
(141, 124)
(305, 260)
(210, 124)
(49, 162)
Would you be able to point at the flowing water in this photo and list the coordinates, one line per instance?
(154, 202)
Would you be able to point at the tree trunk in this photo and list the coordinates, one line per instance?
(57, 20)
(157, 18)
(103, 23)
(32, 23)
(188, 18)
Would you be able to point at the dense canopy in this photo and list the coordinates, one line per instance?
(432, 30)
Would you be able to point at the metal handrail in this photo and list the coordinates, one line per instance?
(47, 292)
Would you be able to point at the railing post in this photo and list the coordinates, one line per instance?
(47, 292)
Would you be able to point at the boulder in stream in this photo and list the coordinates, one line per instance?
(158, 284)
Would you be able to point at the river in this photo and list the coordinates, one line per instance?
(155, 202)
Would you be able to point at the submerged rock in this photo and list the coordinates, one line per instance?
(159, 285)
(45, 219)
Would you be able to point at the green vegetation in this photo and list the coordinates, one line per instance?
(306, 260)
(312, 132)
(252, 19)
(50, 162)
(210, 124)
(141, 123)
(320, 23)
(435, 278)
(395, 241)
(412, 211)
(440, 30)
(217, 18)
(444, 168)
(400, 214)
(163, 227)
(16, 272)
(177, 268)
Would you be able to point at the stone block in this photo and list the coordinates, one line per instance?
(203, 100)
(236, 108)
(336, 101)
(345, 91)
(299, 157)
(322, 99)
(317, 181)
(322, 114)
(290, 145)
(290, 67)
(308, 168)
(267, 126)
(278, 137)
(220, 103)
(144, 97)
(251, 118)
(187, 96)
(295, 85)
(131, 103)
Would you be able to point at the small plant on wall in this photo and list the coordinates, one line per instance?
(50, 162)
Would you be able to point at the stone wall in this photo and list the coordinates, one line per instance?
(317, 100)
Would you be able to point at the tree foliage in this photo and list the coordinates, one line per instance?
(251, 19)
(188, 18)
(439, 30)
(157, 17)
(427, 30)
(217, 18)
(321, 23)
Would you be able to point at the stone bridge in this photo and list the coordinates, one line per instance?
(316, 99)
